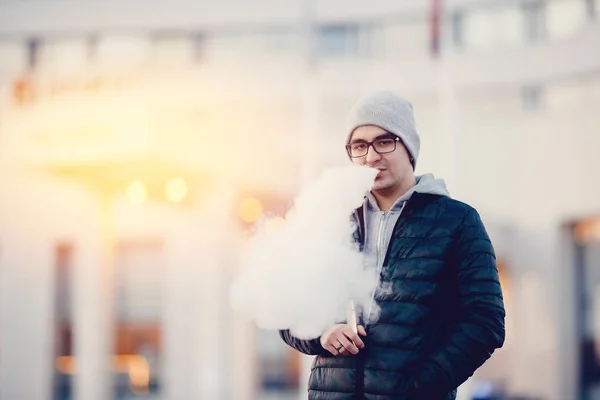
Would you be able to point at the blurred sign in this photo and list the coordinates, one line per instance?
(23, 91)
(27, 91)
(85, 119)
(114, 123)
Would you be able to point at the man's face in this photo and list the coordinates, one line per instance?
(394, 167)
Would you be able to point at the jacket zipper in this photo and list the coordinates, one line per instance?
(378, 249)
(381, 255)
(360, 369)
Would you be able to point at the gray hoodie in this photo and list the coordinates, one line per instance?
(380, 224)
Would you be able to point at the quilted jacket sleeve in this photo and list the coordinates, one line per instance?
(479, 327)
(310, 347)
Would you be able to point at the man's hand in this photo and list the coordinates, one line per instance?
(341, 340)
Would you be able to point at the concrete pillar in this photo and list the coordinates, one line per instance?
(179, 320)
(25, 315)
(93, 303)
(215, 252)
(203, 348)
(306, 363)
(212, 334)
(244, 357)
(241, 347)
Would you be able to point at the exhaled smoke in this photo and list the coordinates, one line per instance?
(302, 275)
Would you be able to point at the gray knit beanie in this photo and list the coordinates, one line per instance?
(390, 112)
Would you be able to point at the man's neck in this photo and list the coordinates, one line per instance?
(387, 197)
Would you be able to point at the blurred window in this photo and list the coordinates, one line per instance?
(137, 361)
(338, 39)
(279, 367)
(490, 27)
(565, 17)
(407, 39)
(282, 41)
(257, 46)
(139, 277)
(13, 58)
(117, 52)
(175, 50)
(63, 57)
(138, 344)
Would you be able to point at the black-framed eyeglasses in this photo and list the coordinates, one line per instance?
(381, 145)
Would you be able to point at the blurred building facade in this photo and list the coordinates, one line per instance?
(232, 101)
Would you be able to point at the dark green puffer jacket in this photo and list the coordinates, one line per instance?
(443, 318)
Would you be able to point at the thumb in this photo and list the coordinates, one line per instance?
(361, 330)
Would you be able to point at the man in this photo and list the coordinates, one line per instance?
(441, 309)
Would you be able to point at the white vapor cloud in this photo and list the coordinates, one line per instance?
(302, 275)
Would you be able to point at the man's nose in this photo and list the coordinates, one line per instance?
(372, 156)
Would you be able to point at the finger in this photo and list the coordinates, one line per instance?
(362, 331)
(331, 348)
(344, 352)
(336, 342)
(347, 344)
(354, 338)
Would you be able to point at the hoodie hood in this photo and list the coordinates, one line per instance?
(424, 184)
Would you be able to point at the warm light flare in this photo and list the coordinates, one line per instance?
(176, 189)
(139, 374)
(135, 366)
(587, 230)
(250, 209)
(137, 192)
